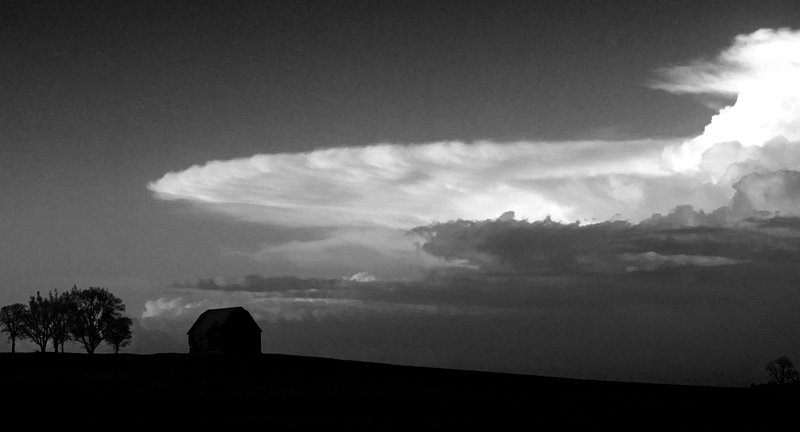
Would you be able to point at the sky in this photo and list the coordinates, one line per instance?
(602, 190)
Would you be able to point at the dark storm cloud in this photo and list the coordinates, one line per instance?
(778, 191)
(547, 247)
(256, 283)
(745, 231)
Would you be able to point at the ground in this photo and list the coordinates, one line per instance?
(290, 392)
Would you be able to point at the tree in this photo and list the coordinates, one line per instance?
(94, 309)
(37, 321)
(12, 321)
(781, 371)
(119, 333)
(60, 317)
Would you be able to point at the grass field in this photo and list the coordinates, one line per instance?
(289, 392)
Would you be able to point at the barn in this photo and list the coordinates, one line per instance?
(227, 330)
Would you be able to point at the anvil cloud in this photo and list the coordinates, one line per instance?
(406, 185)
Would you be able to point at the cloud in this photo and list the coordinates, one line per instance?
(775, 191)
(408, 185)
(650, 261)
(760, 69)
(173, 307)
(253, 283)
(387, 253)
(755, 226)
(299, 299)
(764, 56)
(362, 277)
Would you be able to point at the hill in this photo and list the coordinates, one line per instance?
(290, 392)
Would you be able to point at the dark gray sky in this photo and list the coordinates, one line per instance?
(102, 99)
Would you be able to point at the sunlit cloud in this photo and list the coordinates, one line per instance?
(362, 277)
(173, 307)
(408, 185)
(761, 71)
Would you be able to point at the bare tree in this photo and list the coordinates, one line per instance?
(119, 333)
(93, 312)
(12, 322)
(38, 321)
(61, 315)
(781, 371)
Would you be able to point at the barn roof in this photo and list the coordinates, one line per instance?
(216, 318)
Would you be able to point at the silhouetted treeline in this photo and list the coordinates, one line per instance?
(87, 316)
(782, 371)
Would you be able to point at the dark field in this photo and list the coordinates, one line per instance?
(280, 392)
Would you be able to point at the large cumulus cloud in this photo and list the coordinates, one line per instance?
(760, 70)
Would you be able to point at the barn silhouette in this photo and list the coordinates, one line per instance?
(226, 330)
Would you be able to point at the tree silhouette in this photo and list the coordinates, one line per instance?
(119, 333)
(12, 321)
(60, 317)
(93, 312)
(781, 371)
(37, 321)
